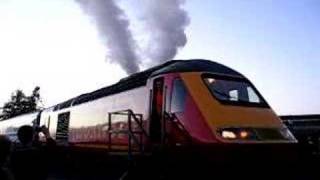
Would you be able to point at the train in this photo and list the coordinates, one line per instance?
(179, 104)
(306, 129)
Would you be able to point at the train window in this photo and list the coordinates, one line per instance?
(253, 97)
(62, 133)
(233, 91)
(178, 96)
(233, 95)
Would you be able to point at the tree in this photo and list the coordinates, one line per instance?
(21, 104)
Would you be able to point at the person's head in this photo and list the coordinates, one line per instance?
(5, 147)
(25, 134)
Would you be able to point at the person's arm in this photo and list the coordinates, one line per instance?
(49, 140)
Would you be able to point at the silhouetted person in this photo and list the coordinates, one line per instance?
(5, 147)
(29, 159)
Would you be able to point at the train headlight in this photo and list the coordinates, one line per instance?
(285, 132)
(227, 134)
(244, 134)
(259, 134)
(238, 133)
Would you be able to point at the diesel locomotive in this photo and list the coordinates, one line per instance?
(181, 103)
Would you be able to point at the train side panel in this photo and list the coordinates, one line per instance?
(87, 123)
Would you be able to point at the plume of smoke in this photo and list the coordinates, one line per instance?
(113, 26)
(166, 20)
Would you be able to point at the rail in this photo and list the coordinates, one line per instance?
(176, 122)
(132, 133)
(136, 133)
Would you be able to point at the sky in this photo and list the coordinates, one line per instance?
(275, 43)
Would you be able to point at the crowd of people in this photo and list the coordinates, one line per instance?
(28, 158)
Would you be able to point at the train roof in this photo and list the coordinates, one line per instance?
(31, 115)
(196, 65)
(140, 79)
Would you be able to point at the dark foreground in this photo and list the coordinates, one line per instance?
(163, 166)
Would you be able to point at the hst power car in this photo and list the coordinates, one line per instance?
(179, 103)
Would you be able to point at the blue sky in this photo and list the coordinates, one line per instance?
(275, 43)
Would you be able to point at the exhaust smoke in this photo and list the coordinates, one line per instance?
(113, 27)
(166, 21)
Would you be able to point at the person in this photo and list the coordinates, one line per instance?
(29, 159)
(5, 147)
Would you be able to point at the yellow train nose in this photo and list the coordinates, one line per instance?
(235, 122)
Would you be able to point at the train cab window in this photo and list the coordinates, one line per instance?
(234, 91)
(233, 95)
(253, 97)
(178, 96)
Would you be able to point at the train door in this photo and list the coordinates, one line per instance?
(157, 110)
